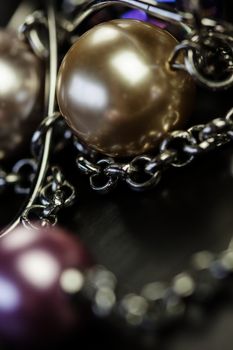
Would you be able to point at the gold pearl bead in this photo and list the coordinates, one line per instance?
(116, 90)
(21, 82)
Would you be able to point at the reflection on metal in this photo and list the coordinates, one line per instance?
(52, 77)
(24, 9)
(184, 20)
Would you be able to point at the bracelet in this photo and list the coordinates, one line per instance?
(41, 265)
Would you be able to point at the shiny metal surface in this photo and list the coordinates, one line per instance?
(50, 104)
(178, 149)
(153, 8)
(116, 91)
(24, 9)
(21, 80)
(211, 36)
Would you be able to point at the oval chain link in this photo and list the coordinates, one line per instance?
(206, 53)
(178, 149)
(55, 195)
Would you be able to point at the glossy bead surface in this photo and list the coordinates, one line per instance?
(116, 90)
(21, 81)
(37, 268)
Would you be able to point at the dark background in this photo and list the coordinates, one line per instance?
(144, 237)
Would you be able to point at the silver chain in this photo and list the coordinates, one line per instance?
(157, 302)
(208, 56)
(178, 149)
(57, 193)
(20, 177)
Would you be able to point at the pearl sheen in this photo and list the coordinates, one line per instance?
(21, 77)
(35, 303)
(116, 91)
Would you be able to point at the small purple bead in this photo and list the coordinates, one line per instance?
(135, 14)
(33, 305)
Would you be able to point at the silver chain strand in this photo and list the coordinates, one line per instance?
(20, 177)
(178, 149)
(58, 193)
(213, 41)
(157, 302)
(37, 207)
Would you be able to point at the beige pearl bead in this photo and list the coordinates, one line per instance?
(116, 90)
(21, 81)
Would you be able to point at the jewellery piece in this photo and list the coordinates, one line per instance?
(21, 84)
(39, 271)
(177, 149)
(116, 90)
(45, 267)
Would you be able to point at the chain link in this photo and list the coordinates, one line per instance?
(30, 31)
(20, 177)
(8, 179)
(178, 149)
(208, 56)
(55, 195)
(23, 172)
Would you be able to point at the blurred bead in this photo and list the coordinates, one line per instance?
(21, 77)
(39, 271)
(101, 278)
(116, 91)
(202, 8)
(103, 282)
(227, 260)
(205, 282)
(202, 260)
(134, 308)
(175, 307)
(105, 300)
(153, 291)
(183, 285)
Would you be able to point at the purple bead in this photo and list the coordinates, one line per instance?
(35, 269)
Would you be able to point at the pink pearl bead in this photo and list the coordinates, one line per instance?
(37, 269)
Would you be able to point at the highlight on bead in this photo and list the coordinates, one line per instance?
(40, 272)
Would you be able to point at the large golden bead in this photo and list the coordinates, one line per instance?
(21, 82)
(116, 90)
